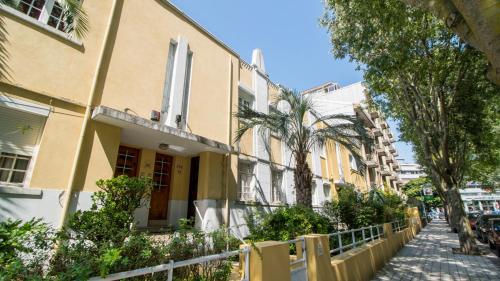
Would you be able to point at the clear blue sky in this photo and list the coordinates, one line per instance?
(296, 48)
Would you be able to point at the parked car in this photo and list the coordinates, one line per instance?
(494, 235)
(483, 225)
(472, 216)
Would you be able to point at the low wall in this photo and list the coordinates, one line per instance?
(360, 263)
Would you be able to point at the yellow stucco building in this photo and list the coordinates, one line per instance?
(141, 101)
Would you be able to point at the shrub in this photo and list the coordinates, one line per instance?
(24, 249)
(286, 223)
(354, 210)
(188, 243)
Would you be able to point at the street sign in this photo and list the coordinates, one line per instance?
(428, 194)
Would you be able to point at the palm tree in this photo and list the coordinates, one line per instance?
(77, 26)
(301, 134)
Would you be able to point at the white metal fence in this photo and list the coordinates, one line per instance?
(398, 225)
(178, 264)
(298, 267)
(367, 234)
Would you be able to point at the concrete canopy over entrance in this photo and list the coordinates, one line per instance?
(149, 134)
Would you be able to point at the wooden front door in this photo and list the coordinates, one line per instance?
(161, 187)
(127, 161)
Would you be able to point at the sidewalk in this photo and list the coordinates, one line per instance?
(429, 257)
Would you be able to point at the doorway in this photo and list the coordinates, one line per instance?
(162, 175)
(193, 188)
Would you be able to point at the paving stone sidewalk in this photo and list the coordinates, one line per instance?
(429, 257)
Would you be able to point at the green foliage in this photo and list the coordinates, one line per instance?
(286, 223)
(413, 189)
(301, 136)
(188, 242)
(24, 249)
(355, 210)
(112, 210)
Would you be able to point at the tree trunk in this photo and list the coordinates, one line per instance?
(459, 220)
(303, 181)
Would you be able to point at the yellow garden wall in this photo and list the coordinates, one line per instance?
(358, 264)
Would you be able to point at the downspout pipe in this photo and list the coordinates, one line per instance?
(230, 140)
(86, 121)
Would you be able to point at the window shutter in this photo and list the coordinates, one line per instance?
(19, 131)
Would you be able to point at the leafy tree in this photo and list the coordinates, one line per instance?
(295, 127)
(476, 22)
(77, 25)
(413, 189)
(424, 76)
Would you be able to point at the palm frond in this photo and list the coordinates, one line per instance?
(77, 23)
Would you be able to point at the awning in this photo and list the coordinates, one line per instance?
(149, 134)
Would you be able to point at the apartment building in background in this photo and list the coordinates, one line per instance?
(379, 157)
(150, 92)
(410, 171)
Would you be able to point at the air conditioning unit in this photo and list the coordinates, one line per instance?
(155, 115)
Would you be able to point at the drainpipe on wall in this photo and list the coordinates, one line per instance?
(86, 121)
(228, 156)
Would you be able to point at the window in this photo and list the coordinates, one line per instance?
(326, 191)
(167, 89)
(185, 96)
(13, 167)
(323, 150)
(246, 192)
(352, 162)
(314, 196)
(243, 102)
(127, 161)
(276, 185)
(20, 134)
(46, 11)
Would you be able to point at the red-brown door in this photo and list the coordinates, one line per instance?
(161, 187)
(127, 161)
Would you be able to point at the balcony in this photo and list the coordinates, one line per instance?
(371, 162)
(364, 116)
(385, 171)
(395, 154)
(384, 125)
(392, 149)
(389, 134)
(389, 160)
(381, 151)
(386, 141)
(392, 140)
(374, 114)
(377, 132)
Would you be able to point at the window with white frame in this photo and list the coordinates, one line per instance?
(352, 162)
(244, 101)
(20, 133)
(246, 175)
(314, 195)
(277, 185)
(323, 150)
(49, 12)
(327, 191)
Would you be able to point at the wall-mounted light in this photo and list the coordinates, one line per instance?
(163, 146)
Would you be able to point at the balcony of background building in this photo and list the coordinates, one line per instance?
(364, 115)
(371, 161)
(392, 149)
(377, 132)
(385, 171)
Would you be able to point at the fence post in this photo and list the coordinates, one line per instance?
(371, 233)
(340, 243)
(318, 258)
(171, 271)
(269, 261)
